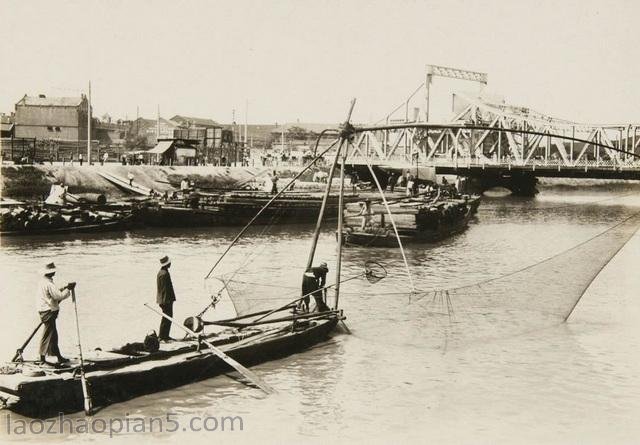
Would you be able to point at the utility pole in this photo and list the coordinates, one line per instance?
(246, 120)
(158, 125)
(89, 126)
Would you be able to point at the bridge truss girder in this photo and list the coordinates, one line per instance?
(505, 140)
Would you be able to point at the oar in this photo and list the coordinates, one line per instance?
(88, 406)
(231, 362)
(20, 350)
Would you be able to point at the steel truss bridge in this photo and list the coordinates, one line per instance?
(493, 140)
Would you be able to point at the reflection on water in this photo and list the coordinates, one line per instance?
(407, 371)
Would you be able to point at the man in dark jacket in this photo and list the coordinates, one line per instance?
(313, 282)
(320, 295)
(166, 297)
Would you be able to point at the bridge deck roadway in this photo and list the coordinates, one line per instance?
(542, 171)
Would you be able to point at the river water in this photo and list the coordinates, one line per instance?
(404, 374)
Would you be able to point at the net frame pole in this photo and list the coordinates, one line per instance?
(323, 206)
(316, 232)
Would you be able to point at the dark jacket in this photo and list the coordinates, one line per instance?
(165, 288)
(321, 278)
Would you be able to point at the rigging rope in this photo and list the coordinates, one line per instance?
(246, 227)
(393, 223)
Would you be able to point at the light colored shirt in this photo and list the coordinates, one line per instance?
(49, 295)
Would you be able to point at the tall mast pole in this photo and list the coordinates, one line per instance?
(340, 222)
(316, 232)
(89, 126)
(158, 124)
(327, 191)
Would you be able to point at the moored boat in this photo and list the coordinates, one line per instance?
(421, 220)
(131, 371)
(37, 220)
(237, 208)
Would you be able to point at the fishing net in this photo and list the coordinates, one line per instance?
(545, 292)
(374, 271)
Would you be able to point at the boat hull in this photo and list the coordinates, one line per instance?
(407, 236)
(49, 397)
(121, 224)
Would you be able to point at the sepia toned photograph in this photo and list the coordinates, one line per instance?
(331, 221)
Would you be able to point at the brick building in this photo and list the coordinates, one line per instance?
(51, 118)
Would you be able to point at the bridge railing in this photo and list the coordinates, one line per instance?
(404, 161)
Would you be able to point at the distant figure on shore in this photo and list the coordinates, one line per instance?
(458, 184)
(354, 181)
(123, 160)
(409, 189)
(80, 159)
(165, 297)
(130, 178)
(274, 183)
(415, 154)
(48, 306)
(391, 182)
(105, 156)
(184, 185)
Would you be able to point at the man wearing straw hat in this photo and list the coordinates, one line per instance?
(48, 305)
(165, 297)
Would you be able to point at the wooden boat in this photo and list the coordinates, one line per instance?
(121, 375)
(53, 220)
(433, 221)
(237, 208)
(119, 224)
(100, 378)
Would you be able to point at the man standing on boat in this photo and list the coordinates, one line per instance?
(165, 297)
(313, 282)
(48, 306)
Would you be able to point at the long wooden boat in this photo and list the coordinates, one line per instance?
(431, 225)
(107, 226)
(129, 372)
(235, 209)
(387, 238)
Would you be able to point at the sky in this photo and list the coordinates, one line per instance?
(305, 60)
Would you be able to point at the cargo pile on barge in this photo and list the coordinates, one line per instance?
(430, 217)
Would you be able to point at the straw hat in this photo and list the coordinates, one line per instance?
(164, 261)
(49, 269)
(324, 265)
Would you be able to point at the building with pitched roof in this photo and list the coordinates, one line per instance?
(52, 118)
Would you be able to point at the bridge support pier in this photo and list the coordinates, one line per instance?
(520, 183)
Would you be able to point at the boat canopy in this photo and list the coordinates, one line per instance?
(162, 147)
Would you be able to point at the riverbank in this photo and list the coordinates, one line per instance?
(34, 181)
